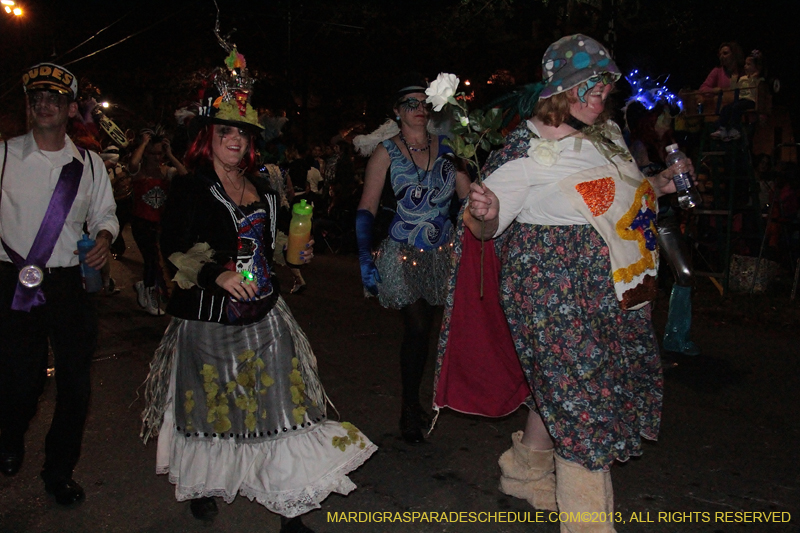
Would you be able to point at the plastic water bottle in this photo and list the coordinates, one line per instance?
(92, 280)
(688, 197)
(299, 232)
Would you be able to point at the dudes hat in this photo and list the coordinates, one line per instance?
(50, 77)
(572, 60)
(111, 153)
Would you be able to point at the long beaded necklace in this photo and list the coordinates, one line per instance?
(417, 194)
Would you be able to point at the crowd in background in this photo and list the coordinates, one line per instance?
(322, 168)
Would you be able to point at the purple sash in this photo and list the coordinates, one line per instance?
(63, 197)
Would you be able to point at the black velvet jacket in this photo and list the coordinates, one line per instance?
(198, 210)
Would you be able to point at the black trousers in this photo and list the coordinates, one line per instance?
(68, 321)
(731, 114)
(124, 207)
(146, 235)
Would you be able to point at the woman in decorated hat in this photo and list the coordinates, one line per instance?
(576, 224)
(411, 267)
(234, 386)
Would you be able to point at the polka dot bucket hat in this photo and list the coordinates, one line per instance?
(574, 59)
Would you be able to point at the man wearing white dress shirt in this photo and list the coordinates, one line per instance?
(50, 190)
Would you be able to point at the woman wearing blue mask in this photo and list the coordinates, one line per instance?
(410, 269)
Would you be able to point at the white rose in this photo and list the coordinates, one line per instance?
(442, 88)
(544, 152)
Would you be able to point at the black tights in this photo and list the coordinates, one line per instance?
(417, 321)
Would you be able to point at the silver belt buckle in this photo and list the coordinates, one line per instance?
(31, 276)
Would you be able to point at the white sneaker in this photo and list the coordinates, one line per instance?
(141, 294)
(721, 133)
(153, 305)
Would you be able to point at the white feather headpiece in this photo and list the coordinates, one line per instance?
(365, 144)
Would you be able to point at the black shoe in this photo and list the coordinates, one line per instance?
(294, 525)
(298, 288)
(66, 491)
(410, 427)
(110, 288)
(204, 508)
(415, 410)
(10, 463)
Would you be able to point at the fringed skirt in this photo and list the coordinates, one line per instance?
(409, 273)
(245, 414)
(594, 368)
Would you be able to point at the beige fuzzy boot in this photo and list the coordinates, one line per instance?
(585, 498)
(528, 474)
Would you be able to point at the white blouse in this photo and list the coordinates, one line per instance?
(528, 191)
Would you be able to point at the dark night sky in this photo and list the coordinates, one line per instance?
(344, 53)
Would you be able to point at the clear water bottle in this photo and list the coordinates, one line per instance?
(92, 279)
(688, 197)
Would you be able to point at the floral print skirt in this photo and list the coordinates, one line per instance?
(246, 416)
(594, 368)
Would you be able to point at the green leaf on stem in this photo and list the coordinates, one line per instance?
(494, 137)
(495, 118)
(476, 120)
(458, 145)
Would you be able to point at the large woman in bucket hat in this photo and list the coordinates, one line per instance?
(575, 221)
(233, 387)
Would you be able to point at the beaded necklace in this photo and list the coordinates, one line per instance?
(427, 147)
(417, 194)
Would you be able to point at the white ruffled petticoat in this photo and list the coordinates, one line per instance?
(289, 476)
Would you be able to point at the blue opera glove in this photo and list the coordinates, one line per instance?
(369, 272)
